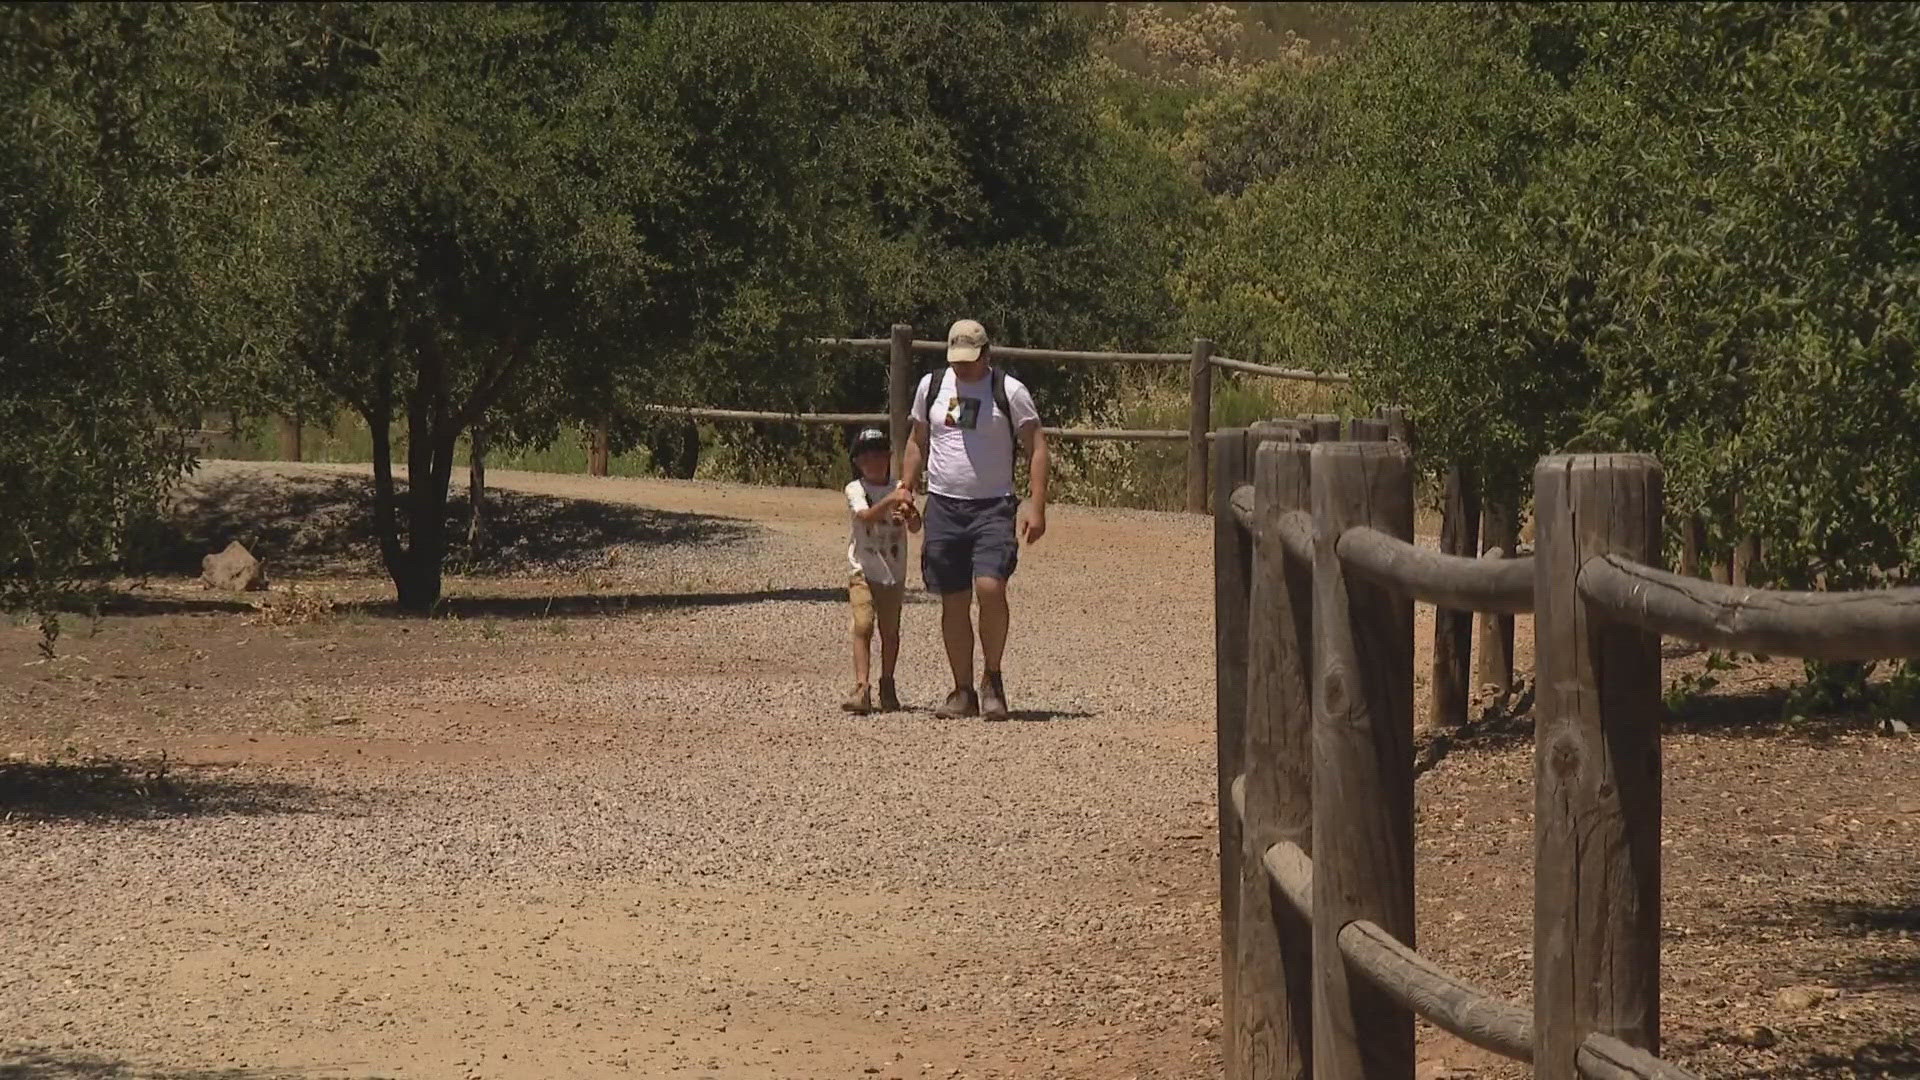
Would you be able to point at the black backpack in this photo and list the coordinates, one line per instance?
(1000, 401)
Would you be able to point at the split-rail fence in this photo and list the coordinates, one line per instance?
(1316, 573)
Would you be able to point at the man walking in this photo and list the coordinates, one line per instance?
(968, 423)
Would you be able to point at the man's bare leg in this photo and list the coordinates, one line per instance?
(956, 628)
(993, 643)
(994, 618)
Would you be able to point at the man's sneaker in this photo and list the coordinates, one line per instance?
(859, 702)
(962, 702)
(993, 697)
(889, 697)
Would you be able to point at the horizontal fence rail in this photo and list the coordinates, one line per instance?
(1015, 352)
(692, 413)
(1296, 374)
(1448, 1002)
(1869, 625)
(1449, 581)
(850, 419)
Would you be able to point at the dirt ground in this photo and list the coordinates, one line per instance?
(602, 818)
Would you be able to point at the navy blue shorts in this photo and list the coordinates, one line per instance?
(967, 539)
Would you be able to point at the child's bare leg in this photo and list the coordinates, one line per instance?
(862, 632)
(887, 612)
(863, 658)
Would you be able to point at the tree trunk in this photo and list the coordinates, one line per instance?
(477, 490)
(1498, 529)
(1453, 630)
(432, 428)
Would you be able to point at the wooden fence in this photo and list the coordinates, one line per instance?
(901, 378)
(1315, 578)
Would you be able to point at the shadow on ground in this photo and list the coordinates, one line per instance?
(63, 1065)
(96, 789)
(324, 524)
(605, 604)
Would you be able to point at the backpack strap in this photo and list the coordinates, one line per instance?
(926, 401)
(1005, 405)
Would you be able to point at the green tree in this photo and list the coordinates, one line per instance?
(520, 215)
(122, 198)
(1688, 229)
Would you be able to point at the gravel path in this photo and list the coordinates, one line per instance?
(509, 844)
(604, 819)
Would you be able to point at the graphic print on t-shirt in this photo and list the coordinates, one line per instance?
(963, 412)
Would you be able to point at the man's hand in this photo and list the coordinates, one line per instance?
(1033, 522)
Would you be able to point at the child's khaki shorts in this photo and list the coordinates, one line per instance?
(871, 599)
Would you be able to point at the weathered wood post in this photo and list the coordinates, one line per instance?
(288, 430)
(1596, 909)
(1326, 428)
(1362, 760)
(597, 453)
(1199, 422)
(1693, 539)
(899, 392)
(1453, 630)
(1273, 1037)
(1498, 533)
(1398, 426)
(1367, 429)
(1232, 576)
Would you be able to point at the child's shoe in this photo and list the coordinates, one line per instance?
(889, 697)
(860, 702)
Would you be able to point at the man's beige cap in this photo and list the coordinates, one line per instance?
(965, 341)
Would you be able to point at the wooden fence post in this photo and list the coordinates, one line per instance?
(1199, 422)
(597, 454)
(288, 430)
(1498, 531)
(1693, 539)
(1453, 630)
(1325, 428)
(1398, 426)
(899, 392)
(1273, 1036)
(1362, 760)
(1232, 573)
(1596, 908)
(1367, 429)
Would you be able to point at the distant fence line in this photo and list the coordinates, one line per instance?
(901, 345)
(1315, 575)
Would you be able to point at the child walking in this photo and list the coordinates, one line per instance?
(877, 552)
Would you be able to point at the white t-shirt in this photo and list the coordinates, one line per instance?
(969, 444)
(876, 549)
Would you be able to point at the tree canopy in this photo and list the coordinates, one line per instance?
(1688, 229)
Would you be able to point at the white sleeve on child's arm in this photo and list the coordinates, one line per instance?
(856, 497)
